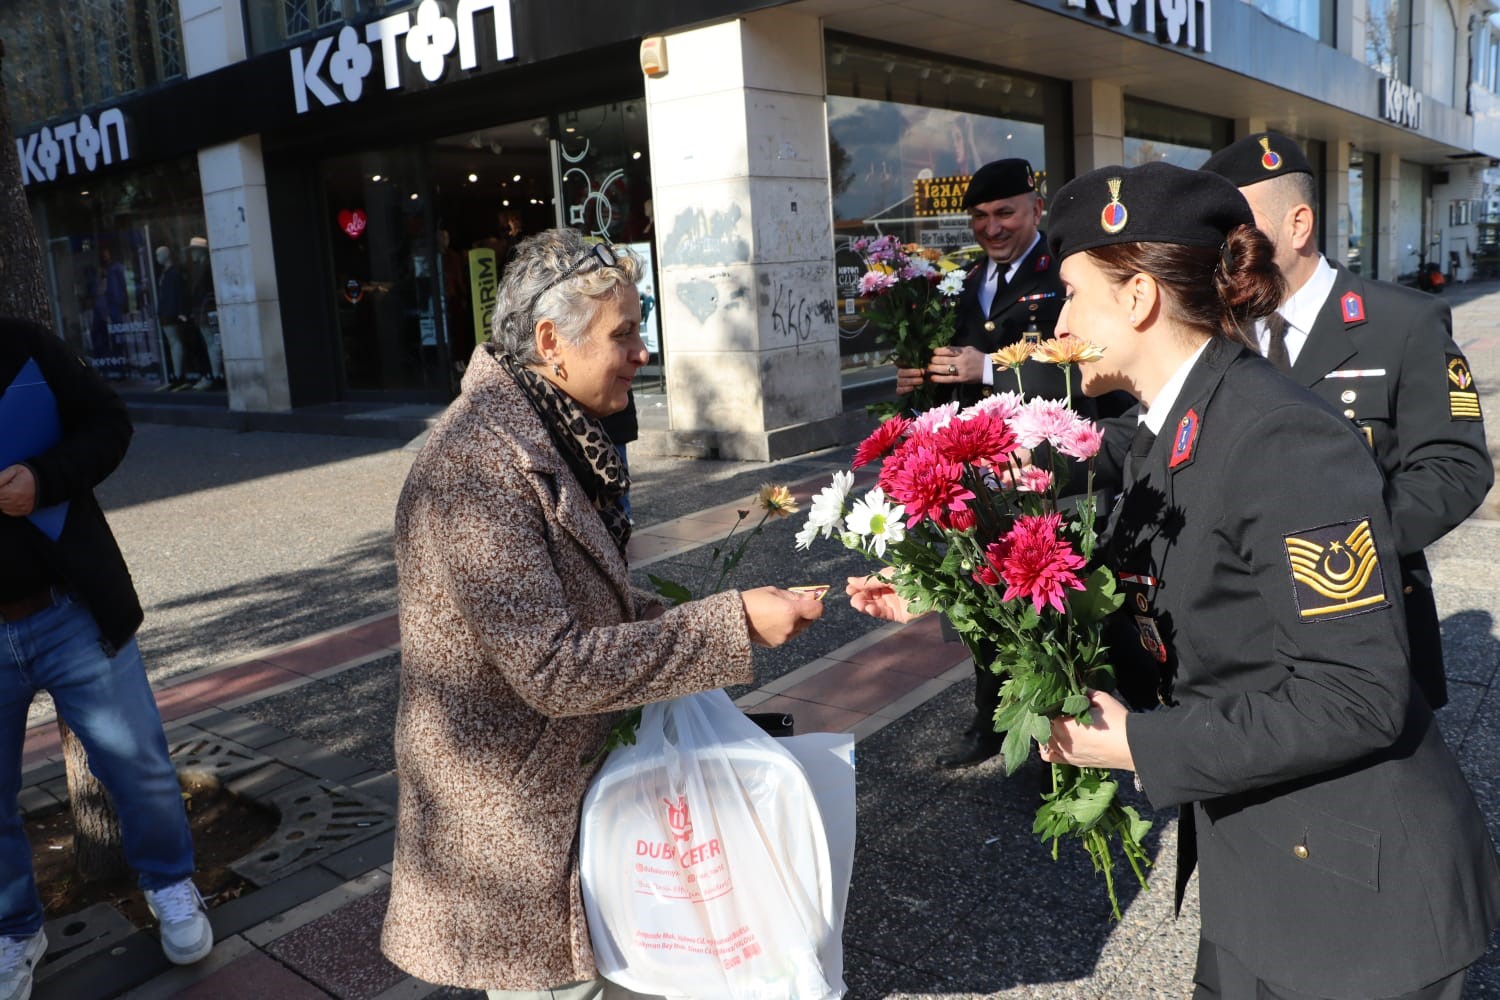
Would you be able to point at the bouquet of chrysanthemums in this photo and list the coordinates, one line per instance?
(966, 513)
(913, 293)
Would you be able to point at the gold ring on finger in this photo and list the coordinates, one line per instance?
(953, 369)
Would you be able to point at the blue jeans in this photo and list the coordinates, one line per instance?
(107, 702)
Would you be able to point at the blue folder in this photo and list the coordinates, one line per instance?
(29, 425)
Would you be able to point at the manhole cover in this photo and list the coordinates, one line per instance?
(316, 820)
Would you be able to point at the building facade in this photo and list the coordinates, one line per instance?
(279, 205)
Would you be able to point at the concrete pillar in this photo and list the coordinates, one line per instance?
(1098, 125)
(1336, 212)
(213, 35)
(1388, 221)
(1349, 20)
(239, 231)
(739, 164)
(244, 268)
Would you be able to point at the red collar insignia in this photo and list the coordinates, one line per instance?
(1353, 308)
(1183, 441)
(1043, 262)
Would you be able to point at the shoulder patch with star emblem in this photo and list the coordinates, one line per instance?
(1335, 571)
(1463, 395)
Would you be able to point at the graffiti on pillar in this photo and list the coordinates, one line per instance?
(703, 238)
(707, 295)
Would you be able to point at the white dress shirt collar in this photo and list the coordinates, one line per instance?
(1167, 397)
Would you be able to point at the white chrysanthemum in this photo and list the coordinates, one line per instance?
(952, 284)
(808, 534)
(825, 518)
(878, 521)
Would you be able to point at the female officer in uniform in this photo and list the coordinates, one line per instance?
(1340, 851)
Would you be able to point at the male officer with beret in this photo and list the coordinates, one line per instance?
(1383, 356)
(1013, 291)
(1013, 286)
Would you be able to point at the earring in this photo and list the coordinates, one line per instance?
(1132, 319)
(556, 368)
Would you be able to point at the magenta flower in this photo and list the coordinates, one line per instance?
(1036, 562)
(983, 441)
(880, 441)
(1034, 480)
(927, 484)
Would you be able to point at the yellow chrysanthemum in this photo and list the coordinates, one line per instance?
(1067, 351)
(776, 500)
(1013, 356)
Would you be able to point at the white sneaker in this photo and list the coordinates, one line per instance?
(186, 935)
(18, 957)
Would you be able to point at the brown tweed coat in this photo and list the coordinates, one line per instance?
(520, 640)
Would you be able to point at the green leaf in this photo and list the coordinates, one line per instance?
(1099, 598)
(1075, 703)
(673, 591)
(1015, 749)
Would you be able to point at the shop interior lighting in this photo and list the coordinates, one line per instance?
(979, 82)
(473, 178)
(889, 66)
(1029, 90)
(1005, 84)
(375, 178)
(414, 196)
(517, 178)
(505, 203)
(947, 76)
(538, 129)
(926, 73)
(838, 57)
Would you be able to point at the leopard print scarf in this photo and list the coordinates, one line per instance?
(583, 443)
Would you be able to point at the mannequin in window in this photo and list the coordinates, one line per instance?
(171, 313)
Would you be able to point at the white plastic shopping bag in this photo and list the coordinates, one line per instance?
(705, 863)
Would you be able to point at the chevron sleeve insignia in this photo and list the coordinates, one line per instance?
(1463, 394)
(1335, 571)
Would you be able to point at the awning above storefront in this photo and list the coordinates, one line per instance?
(1254, 67)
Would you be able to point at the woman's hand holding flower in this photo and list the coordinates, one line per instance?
(1102, 744)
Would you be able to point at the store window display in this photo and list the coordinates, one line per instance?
(130, 269)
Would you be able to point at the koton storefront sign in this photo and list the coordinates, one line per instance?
(73, 148)
(333, 70)
(1177, 22)
(1400, 103)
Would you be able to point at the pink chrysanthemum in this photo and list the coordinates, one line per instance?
(1034, 480)
(880, 441)
(1036, 562)
(1081, 439)
(1001, 406)
(1040, 420)
(929, 485)
(983, 441)
(935, 419)
(874, 283)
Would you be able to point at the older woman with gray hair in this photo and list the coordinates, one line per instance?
(521, 637)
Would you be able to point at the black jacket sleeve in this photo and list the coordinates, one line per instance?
(96, 427)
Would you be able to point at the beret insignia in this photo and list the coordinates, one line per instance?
(1463, 397)
(1335, 571)
(1269, 159)
(1115, 215)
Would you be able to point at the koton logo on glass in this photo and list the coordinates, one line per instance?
(343, 61)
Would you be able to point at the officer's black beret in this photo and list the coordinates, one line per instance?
(1257, 158)
(1154, 203)
(999, 179)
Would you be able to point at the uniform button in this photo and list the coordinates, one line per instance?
(989, 326)
(1348, 396)
(1034, 307)
(1300, 851)
(1407, 590)
(1349, 414)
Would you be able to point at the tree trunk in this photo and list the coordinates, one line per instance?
(23, 294)
(97, 852)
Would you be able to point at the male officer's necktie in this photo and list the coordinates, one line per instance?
(1276, 351)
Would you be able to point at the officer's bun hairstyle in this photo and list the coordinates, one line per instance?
(1221, 292)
